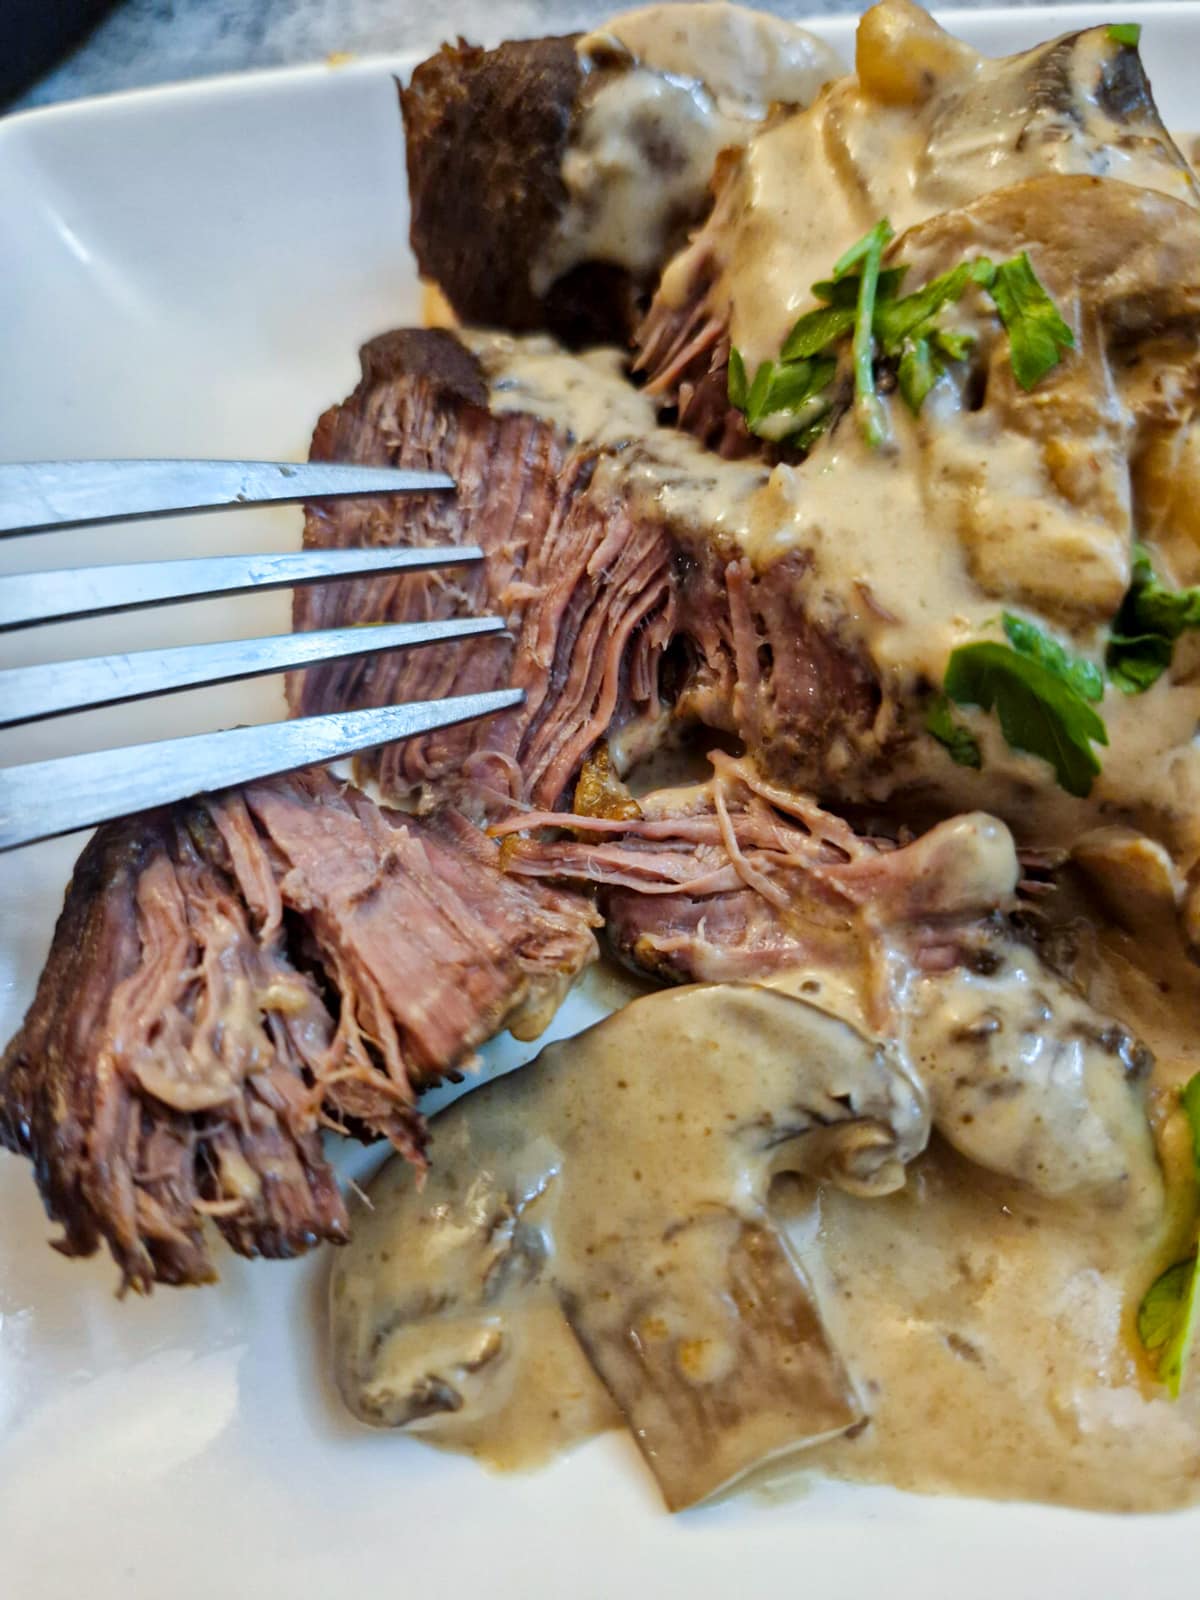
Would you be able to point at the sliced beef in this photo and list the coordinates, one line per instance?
(803, 697)
(231, 975)
(611, 611)
(486, 132)
(586, 588)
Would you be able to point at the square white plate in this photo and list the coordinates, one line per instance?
(190, 272)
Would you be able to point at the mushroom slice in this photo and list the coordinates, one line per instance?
(716, 1354)
(1028, 1080)
(1039, 481)
(622, 1179)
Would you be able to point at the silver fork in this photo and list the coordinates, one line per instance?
(42, 799)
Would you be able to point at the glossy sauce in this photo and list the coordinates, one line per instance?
(666, 90)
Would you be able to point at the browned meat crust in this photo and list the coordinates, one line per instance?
(587, 589)
(231, 975)
(486, 131)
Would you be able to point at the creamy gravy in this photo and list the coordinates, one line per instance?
(953, 1328)
(625, 1175)
(925, 125)
(666, 90)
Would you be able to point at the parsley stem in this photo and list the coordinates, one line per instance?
(868, 405)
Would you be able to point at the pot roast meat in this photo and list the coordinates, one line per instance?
(231, 975)
(486, 132)
(586, 589)
(550, 179)
(159, 1076)
(735, 878)
(616, 615)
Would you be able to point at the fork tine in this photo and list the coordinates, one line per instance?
(30, 597)
(46, 798)
(56, 687)
(38, 496)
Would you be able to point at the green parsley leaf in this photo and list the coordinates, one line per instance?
(869, 252)
(1038, 711)
(959, 741)
(1128, 33)
(737, 387)
(816, 330)
(1167, 1319)
(918, 371)
(786, 397)
(844, 291)
(1037, 334)
(792, 397)
(1169, 1314)
(1146, 627)
(759, 389)
(898, 320)
(954, 343)
(1083, 675)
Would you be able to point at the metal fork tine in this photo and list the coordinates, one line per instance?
(39, 496)
(31, 597)
(50, 690)
(46, 798)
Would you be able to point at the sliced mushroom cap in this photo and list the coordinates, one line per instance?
(623, 1177)
(1041, 478)
(1027, 1080)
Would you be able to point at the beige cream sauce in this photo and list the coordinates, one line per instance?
(626, 1174)
(977, 1334)
(666, 89)
(884, 560)
(872, 147)
(994, 1331)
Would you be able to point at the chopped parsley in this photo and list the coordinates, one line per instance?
(786, 398)
(867, 254)
(1037, 334)
(1041, 694)
(1127, 33)
(1084, 676)
(862, 300)
(1146, 627)
(1169, 1314)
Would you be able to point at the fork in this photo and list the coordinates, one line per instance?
(42, 799)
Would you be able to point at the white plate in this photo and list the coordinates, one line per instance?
(191, 271)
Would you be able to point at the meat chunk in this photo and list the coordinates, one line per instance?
(229, 976)
(551, 178)
(585, 587)
(486, 133)
(163, 1073)
(616, 615)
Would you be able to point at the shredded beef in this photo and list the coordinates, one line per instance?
(736, 878)
(231, 975)
(586, 588)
